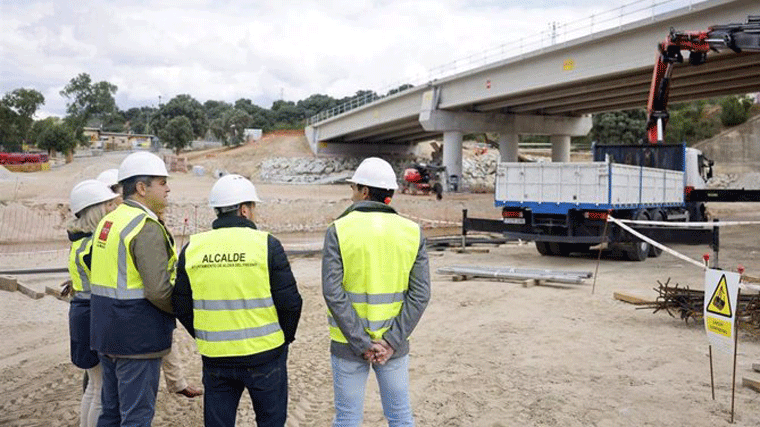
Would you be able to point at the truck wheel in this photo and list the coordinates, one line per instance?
(638, 250)
(543, 248)
(654, 251)
(556, 248)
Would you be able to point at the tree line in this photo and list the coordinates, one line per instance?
(689, 122)
(183, 118)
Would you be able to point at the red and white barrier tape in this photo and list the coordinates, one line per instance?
(671, 251)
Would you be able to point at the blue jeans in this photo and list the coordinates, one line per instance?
(129, 391)
(350, 380)
(267, 385)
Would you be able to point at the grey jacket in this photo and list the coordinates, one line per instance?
(415, 299)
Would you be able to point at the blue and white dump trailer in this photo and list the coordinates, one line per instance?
(563, 207)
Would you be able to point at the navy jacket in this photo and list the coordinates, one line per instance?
(285, 295)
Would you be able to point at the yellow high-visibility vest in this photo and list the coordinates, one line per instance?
(233, 310)
(378, 251)
(114, 274)
(78, 270)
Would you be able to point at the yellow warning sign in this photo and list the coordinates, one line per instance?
(720, 304)
(719, 326)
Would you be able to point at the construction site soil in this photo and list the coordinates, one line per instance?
(486, 352)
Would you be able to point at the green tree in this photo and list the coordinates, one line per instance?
(261, 118)
(619, 127)
(17, 109)
(10, 132)
(230, 128)
(237, 121)
(735, 110)
(182, 105)
(315, 103)
(177, 133)
(215, 109)
(688, 123)
(52, 134)
(137, 120)
(286, 115)
(216, 128)
(115, 122)
(88, 101)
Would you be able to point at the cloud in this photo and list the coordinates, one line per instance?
(226, 50)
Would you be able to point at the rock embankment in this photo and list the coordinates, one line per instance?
(478, 171)
(747, 181)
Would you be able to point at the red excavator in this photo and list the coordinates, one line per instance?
(737, 37)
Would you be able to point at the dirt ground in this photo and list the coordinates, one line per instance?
(486, 353)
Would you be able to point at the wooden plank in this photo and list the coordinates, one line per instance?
(756, 367)
(530, 283)
(750, 383)
(31, 293)
(56, 293)
(460, 277)
(9, 284)
(631, 299)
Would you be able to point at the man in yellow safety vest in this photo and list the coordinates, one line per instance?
(376, 283)
(235, 293)
(133, 261)
(174, 375)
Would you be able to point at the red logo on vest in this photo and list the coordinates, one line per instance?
(105, 230)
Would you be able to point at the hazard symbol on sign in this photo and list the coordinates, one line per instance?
(720, 303)
(719, 308)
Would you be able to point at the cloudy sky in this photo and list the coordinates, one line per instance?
(261, 50)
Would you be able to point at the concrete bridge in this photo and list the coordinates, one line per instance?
(551, 91)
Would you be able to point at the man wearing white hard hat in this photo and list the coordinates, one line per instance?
(89, 201)
(376, 284)
(133, 260)
(236, 295)
(174, 377)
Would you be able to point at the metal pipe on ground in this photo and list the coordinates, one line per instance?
(512, 273)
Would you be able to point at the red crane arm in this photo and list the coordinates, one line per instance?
(737, 37)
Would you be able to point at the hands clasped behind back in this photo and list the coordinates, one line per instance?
(379, 352)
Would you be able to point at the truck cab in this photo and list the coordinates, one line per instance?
(698, 169)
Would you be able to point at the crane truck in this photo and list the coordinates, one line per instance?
(564, 207)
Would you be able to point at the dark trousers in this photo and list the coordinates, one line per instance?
(129, 391)
(267, 385)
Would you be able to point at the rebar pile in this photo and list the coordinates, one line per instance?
(688, 304)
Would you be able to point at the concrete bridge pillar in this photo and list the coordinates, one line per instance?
(560, 148)
(508, 147)
(452, 159)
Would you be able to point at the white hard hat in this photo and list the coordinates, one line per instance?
(109, 177)
(88, 193)
(142, 163)
(231, 190)
(375, 172)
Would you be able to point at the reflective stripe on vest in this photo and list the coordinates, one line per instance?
(233, 310)
(114, 274)
(378, 251)
(78, 270)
